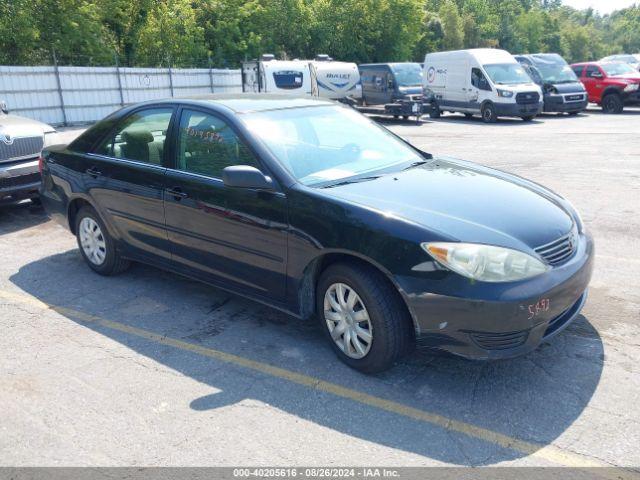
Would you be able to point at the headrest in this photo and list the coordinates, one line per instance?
(137, 136)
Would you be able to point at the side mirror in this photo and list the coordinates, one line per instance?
(245, 176)
(596, 75)
(3, 106)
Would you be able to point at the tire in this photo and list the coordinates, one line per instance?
(37, 201)
(573, 114)
(612, 103)
(405, 117)
(489, 113)
(387, 320)
(528, 118)
(434, 111)
(468, 115)
(108, 261)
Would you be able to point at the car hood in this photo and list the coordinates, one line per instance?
(629, 76)
(17, 126)
(575, 87)
(466, 202)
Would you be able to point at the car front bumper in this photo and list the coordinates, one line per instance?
(558, 103)
(518, 109)
(494, 321)
(19, 180)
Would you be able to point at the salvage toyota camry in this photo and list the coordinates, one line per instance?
(314, 209)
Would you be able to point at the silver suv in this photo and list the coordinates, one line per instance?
(21, 141)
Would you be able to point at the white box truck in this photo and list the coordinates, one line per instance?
(322, 77)
(483, 81)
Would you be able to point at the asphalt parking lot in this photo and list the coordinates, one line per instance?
(149, 368)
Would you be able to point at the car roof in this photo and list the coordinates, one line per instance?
(248, 102)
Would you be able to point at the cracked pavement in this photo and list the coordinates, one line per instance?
(74, 392)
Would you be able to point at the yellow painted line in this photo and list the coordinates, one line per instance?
(546, 452)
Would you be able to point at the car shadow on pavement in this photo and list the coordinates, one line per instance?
(534, 398)
(477, 120)
(20, 216)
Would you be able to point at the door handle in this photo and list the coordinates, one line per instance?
(93, 172)
(176, 193)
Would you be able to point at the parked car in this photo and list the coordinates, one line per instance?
(632, 60)
(484, 80)
(384, 83)
(311, 207)
(563, 91)
(610, 85)
(21, 141)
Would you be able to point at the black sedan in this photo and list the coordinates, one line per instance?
(312, 208)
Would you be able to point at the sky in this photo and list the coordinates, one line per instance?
(603, 6)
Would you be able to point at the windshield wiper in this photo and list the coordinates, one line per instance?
(352, 180)
(415, 164)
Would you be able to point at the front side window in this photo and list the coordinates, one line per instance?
(593, 72)
(507, 73)
(578, 70)
(320, 145)
(478, 79)
(140, 137)
(207, 145)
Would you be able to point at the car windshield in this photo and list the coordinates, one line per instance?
(556, 73)
(507, 74)
(614, 69)
(325, 145)
(408, 74)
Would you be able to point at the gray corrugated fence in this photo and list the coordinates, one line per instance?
(71, 95)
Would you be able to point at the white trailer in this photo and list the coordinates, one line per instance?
(321, 77)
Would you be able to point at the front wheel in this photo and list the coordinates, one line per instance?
(489, 113)
(527, 118)
(96, 245)
(364, 319)
(612, 103)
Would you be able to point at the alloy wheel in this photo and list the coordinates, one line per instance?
(348, 320)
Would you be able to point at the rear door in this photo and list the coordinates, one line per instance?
(125, 176)
(230, 236)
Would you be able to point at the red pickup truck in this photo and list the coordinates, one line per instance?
(611, 85)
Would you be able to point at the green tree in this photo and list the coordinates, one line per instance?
(453, 36)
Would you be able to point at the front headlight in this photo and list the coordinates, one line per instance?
(632, 87)
(485, 263)
(505, 93)
(50, 138)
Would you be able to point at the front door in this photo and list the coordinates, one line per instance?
(125, 176)
(234, 237)
(593, 82)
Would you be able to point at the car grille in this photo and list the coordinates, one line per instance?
(559, 250)
(499, 341)
(574, 98)
(19, 180)
(525, 98)
(20, 148)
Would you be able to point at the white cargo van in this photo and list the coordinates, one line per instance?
(483, 81)
(321, 77)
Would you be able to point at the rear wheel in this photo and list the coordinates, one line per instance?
(364, 319)
(527, 118)
(612, 103)
(573, 114)
(96, 245)
(468, 115)
(489, 113)
(434, 110)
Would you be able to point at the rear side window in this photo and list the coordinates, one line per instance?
(140, 137)
(207, 145)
